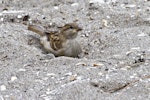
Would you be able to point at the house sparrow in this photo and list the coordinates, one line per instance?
(60, 43)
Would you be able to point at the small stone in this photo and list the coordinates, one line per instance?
(132, 77)
(108, 17)
(13, 78)
(105, 23)
(50, 24)
(100, 74)
(3, 87)
(43, 17)
(2, 19)
(26, 18)
(123, 69)
(122, 5)
(62, 78)
(73, 78)
(56, 7)
(130, 6)
(86, 35)
(107, 77)
(128, 67)
(19, 16)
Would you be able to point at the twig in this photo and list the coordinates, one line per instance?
(131, 84)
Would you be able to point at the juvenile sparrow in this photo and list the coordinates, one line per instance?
(60, 43)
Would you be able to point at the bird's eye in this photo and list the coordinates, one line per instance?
(71, 27)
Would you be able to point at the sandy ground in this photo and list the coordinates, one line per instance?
(116, 51)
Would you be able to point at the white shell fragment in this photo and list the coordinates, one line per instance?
(68, 74)
(81, 63)
(130, 6)
(98, 64)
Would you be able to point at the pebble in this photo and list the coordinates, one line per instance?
(56, 7)
(107, 77)
(108, 17)
(73, 78)
(19, 16)
(75, 4)
(13, 78)
(3, 87)
(22, 70)
(100, 73)
(86, 35)
(105, 23)
(43, 17)
(132, 77)
(2, 19)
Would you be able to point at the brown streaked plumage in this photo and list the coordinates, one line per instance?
(62, 43)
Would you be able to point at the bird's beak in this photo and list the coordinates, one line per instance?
(79, 29)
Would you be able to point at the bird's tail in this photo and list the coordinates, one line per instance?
(37, 29)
